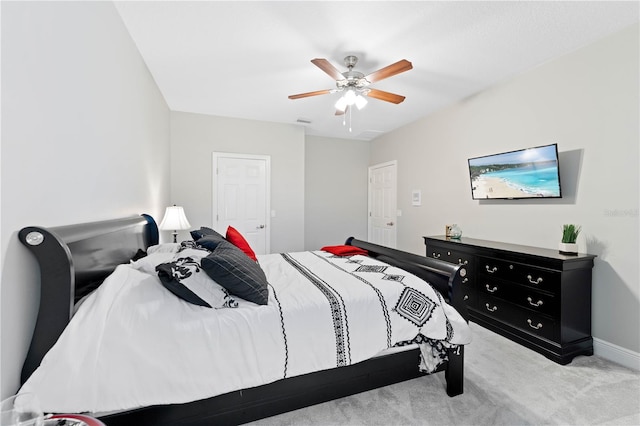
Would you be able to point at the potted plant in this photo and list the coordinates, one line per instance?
(570, 234)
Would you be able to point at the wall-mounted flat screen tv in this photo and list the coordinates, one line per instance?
(525, 173)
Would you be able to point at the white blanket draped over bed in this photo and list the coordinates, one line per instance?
(132, 343)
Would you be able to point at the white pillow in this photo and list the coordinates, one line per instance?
(150, 261)
(164, 248)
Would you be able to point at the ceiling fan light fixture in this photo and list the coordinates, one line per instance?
(350, 97)
(341, 105)
(360, 101)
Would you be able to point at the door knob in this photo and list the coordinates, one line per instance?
(260, 227)
(390, 224)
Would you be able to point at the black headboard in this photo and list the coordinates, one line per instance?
(73, 261)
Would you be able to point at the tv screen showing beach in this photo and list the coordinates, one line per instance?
(527, 173)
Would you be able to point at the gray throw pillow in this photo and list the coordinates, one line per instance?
(232, 269)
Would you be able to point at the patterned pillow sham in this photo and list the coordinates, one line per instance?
(184, 277)
(235, 271)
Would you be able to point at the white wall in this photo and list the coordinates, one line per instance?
(336, 172)
(587, 102)
(85, 136)
(194, 138)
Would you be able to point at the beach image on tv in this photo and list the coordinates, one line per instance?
(528, 173)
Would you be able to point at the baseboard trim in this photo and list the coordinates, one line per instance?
(616, 354)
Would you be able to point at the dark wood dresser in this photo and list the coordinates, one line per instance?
(534, 296)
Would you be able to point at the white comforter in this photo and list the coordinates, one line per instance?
(132, 343)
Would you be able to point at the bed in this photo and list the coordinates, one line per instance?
(75, 261)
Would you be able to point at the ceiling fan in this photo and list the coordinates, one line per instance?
(355, 84)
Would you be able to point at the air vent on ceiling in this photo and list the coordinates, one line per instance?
(303, 121)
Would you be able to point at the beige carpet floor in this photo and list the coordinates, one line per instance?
(505, 384)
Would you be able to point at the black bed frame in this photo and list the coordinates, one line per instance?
(75, 259)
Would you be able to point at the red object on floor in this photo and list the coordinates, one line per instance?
(89, 421)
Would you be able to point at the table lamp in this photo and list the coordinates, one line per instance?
(174, 219)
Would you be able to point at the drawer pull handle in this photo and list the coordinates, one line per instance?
(491, 290)
(536, 327)
(530, 278)
(490, 309)
(463, 262)
(532, 303)
(491, 270)
(466, 297)
(435, 255)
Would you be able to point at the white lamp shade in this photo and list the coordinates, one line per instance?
(341, 105)
(174, 219)
(361, 101)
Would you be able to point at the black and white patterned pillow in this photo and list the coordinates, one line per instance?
(231, 268)
(184, 277)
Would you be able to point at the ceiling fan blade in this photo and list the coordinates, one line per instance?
(326, 66)
(385, 96)
(389, 71)
(306, 95)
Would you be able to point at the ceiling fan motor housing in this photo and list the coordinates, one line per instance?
(353, 79)
(350, 61)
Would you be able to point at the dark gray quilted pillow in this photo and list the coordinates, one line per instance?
(204, 231)
(236, 272)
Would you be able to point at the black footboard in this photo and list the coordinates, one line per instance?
(447, 279)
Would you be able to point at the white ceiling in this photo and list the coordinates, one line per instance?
(242, 59)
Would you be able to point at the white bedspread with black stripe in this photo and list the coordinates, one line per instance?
(133, 344)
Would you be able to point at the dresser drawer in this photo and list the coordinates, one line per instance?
(539, 278)
(525, 296)
(451, 256)
(516, 316)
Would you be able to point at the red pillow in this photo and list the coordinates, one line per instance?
(236, 238)
(344, 250)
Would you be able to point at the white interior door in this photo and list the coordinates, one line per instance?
(383, 204)
(241, 197)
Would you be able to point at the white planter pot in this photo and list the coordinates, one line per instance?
(568, 248)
